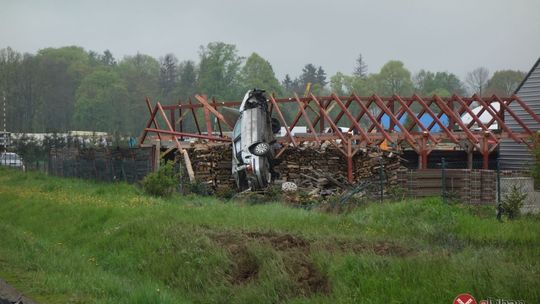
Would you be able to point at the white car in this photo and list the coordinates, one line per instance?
(253, 137)
(10, 159)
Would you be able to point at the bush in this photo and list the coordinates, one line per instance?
(162, 182)
(535, 169)
(513, 201)
(397, 193)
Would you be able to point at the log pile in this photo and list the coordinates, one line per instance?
(212, 164)
(367, 166)
(314, 169)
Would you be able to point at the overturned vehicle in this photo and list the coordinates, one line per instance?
(253, 143)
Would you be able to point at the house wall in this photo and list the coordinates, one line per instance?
(513, 155)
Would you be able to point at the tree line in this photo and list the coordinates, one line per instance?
(70, 88)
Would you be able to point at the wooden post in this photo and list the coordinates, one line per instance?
(470, 152)
(485, 151)
(349, 159)
(423, 164)
(157, 154)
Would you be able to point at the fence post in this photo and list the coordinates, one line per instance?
(443, 179)
(498, 182)
(381, 177)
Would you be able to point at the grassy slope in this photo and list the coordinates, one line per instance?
(66, 240)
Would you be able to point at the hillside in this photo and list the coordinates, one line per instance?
(73, 241)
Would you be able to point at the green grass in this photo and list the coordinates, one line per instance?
(74, 241)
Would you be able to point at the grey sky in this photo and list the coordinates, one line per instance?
(455, 36)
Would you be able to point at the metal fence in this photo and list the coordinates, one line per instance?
(121, 164)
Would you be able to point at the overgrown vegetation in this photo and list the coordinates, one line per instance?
(513, 201)
(74, 241)
(535, 169)
(161, 182)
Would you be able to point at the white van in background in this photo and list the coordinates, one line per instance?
(10, 159)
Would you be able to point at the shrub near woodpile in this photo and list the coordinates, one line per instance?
(162, 182)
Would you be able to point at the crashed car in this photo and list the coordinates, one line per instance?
(253, 139)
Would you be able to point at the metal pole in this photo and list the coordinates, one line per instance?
(4, 112)
(381, 177)
(4, 137)
(498, 182)
(443, 179)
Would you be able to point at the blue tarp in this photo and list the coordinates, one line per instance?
(425, 119)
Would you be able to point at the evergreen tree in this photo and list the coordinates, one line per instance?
(168, 76)
(360, 69)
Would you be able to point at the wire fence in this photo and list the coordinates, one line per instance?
(120, 164)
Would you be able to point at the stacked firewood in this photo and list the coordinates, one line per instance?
(212, 164)
(314, 169)
(367, 165)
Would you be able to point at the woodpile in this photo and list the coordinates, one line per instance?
(367, 165)
(212, 164)
(321, 170)
(313, 169)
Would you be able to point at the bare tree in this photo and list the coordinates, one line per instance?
(477, 80)
(360, 69)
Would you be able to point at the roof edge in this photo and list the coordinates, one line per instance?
(527, 76)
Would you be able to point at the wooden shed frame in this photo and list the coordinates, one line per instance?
(363, 118)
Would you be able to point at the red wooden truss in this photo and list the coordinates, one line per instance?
(353, 123)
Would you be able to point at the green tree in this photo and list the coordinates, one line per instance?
(168, 76)
(505, 82)
(11, 87)
(338, 83)
(219, 70)
(59, 72)
(102, 103)
(289, 86)
(108, 59)
(362, 85)
(140, 74)
(321, 77)
(427, 83)
(187, 83)
(394, 78)
(346, 84)
(315, 76)
(309, 75)
(258, 73)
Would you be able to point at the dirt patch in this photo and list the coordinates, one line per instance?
(280, 242)
(308, 279)
(294, 251)
(382, 248)
(245, 266)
